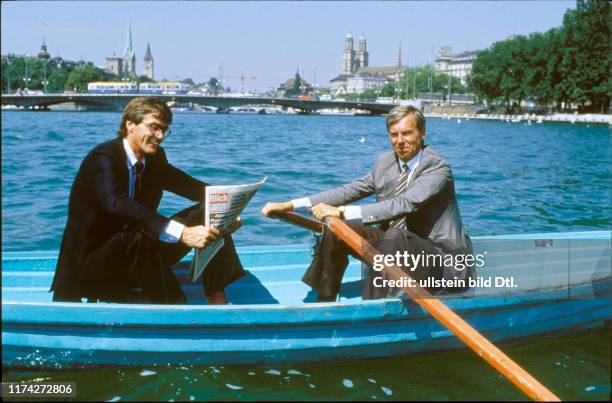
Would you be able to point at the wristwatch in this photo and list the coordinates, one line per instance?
(341, 210)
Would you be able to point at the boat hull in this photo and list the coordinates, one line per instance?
(40, 333)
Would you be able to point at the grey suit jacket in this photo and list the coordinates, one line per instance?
(428, 202)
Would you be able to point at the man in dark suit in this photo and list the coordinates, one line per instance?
(415, 207)
(115, 241)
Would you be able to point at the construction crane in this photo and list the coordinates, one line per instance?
(242, 77)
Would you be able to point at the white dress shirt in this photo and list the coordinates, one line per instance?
(354, 212)
(172, 232)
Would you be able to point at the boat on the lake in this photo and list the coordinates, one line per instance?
(561, 283)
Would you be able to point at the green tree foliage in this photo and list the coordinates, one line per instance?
(81, 76)
(418, 80)
(563, 67)
(215, 85)
(500, 74)
(14, 74)
(144, 79)
(57, 80)
(388, 90)
(189, 81)
(585, 54)
(296, 87)
(368, 96)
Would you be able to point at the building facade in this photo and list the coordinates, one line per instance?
(148, 63)
(363, 81)
(115, 65)
(357, 75)
(455, 65)
(351, 60)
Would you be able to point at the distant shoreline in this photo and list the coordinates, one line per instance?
(588, 118)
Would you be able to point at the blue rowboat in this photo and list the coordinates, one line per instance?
(561, 283)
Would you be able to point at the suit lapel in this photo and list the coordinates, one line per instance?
(122, 161)
(422, 165)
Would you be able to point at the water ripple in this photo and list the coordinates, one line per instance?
(508, 178)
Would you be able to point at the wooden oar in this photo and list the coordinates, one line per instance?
(466, 333)
(301, 221)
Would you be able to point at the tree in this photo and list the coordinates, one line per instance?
(543, 60)
(57, 80)
(499, 73)
(388, 90)
(368, 96)
(486, 76)
(296, 86)
(144, 79)
(584, 65)
(13, 73)
(188, 81)
(214, 85)
(81, 76)
(563, 67)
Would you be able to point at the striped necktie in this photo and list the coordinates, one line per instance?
(139, 167)
(402, 182)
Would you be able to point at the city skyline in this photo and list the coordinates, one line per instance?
(267, 40)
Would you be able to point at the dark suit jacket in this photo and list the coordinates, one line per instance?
(100, 207)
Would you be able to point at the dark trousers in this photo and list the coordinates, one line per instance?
(132, 260)
(330, 260)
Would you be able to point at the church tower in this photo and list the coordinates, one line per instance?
(348, 57)
(362, 54)
(148, 63)
(129, 58)
(43, 54)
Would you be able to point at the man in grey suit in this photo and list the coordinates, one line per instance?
(415, 209)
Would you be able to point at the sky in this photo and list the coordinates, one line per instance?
(267, 40)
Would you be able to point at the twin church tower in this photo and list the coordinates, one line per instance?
(125, 67)
(351, 60)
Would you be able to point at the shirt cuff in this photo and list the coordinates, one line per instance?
(302, 204)
(352, 213)
(172, 232)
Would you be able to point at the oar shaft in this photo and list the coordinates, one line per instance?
(301, 221)
(477, 342)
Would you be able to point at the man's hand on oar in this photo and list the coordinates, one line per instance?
(276, 210)
(321, 211)
(284, 212)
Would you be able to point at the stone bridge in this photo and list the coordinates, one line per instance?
(118, 102)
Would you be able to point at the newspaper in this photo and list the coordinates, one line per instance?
(223, 204)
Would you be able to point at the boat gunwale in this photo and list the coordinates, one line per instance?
(577, 235)
(354, 310)
(17, 313)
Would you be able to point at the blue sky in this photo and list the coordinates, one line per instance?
(267, 40)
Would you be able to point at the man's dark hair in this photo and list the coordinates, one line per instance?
(138, 107)
(400, 112)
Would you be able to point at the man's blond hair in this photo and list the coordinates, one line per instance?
(400, 112)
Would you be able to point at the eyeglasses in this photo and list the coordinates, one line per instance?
(155, 128)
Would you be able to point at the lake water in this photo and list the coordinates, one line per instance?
(510, 178)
